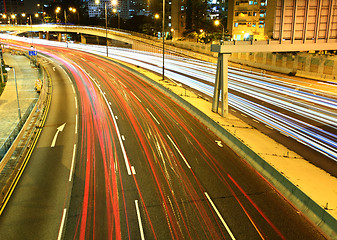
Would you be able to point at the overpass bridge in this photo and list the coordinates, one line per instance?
(147, 43)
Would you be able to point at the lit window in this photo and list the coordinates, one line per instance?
(236, 24)
(250, 2)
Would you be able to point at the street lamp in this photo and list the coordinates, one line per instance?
(13, 17)
(58, 9)
(23, 16)
(16, 87)
(163, 39)
(74, 10)
(174, 33)
(106, 26)
(114, 4)
(217, 23)
(65, 23)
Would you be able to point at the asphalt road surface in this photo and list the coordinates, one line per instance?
(144, 169)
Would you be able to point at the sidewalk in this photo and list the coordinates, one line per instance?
(25, 76)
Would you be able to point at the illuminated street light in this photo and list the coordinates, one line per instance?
(106, 26)
(74, 10)
(58, 9)
(173, 32)
(156, 16)
(217, 23)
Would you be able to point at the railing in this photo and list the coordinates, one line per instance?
(11, 138)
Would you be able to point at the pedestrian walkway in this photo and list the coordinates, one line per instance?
(25, 76)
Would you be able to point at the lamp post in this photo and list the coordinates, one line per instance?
(106, 26)
(114, 4)
(31, 28)
(16, 87)
(13, 17)
(163, 40)
(74, 10)
(217, 23)
(58, 9)
(23, 15)
(65, 23)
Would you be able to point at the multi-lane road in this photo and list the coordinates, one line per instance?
(132, 164)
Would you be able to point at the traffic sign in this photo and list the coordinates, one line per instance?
(32, 53)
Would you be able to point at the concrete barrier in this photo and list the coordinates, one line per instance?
(297, 197)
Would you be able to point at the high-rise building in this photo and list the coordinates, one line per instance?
(97, 9)
(246, 19)
(177, 17)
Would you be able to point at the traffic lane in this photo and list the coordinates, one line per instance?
(96, 206)
(268, 209)
(147, 129)
(158, 180)
(123, 94)
(36, 206)
(262, 192)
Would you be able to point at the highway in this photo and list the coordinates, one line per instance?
(144, 168)
(306, 114)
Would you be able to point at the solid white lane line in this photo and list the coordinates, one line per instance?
(76, 122)
(62, 224)
(133, 170)
(76, 102)
(122, 84)
(72, 164)
(219, 215)
(179, 151)
(126, 160)
(139, 221)
(153, 116)
(73, 88)
(135, 96)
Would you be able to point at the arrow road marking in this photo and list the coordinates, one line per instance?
(59, 129)
(219, 143)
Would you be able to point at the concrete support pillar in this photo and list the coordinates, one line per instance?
(59, 37)
(264, 61)
(40, 35)
(334, 70)
(47, 35)
(321, 66)
(83, 39)
(221, 85)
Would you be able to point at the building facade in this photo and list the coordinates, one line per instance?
(302, 20)
(98, 9)
(246, 19)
